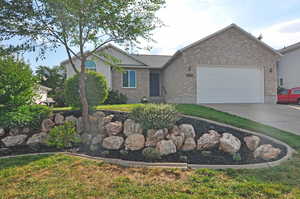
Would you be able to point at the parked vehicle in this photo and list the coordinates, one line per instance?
(289, 96)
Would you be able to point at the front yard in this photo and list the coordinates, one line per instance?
(62, 176)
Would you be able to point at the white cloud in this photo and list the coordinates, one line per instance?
(281, 34)
(186, 22)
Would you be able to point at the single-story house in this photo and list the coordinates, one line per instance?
(229, 66)
(289, 67)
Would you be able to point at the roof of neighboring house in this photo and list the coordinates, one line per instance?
(290, 48)
(153, 61)
(220, 32)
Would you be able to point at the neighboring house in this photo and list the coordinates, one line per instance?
(229, 66)
(42, 95)
(289, 67)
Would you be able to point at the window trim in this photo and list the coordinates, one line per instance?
(122, 82)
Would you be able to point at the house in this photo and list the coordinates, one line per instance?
(289, 67)
(229, 66)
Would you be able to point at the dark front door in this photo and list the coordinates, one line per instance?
(154, 85)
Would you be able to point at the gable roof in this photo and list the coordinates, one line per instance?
(142, 61)
(290, 48)
(220, 32)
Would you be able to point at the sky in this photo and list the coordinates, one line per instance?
(187, 21)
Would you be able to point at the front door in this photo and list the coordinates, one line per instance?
(154, 84)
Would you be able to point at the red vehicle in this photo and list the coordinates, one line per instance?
(289, 96)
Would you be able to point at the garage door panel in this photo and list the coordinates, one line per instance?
(229, 85)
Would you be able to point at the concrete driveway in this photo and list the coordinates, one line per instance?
(285, 117)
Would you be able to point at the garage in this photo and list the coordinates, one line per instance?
(230, 84)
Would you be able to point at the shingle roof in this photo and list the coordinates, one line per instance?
(290, 48)
(153, 61)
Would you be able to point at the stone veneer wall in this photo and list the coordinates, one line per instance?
(229, 48)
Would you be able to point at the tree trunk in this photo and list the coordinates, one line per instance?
(84, 102)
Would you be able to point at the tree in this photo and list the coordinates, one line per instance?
(53, 78)
(78, 24)
(17, 83)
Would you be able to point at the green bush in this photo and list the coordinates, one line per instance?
(24, 116)
(115, 97)
(17, 83)
(155, 116)
(63, 136)
(96, 90)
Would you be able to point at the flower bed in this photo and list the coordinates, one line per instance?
(192, 141)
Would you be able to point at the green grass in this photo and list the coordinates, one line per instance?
(62, 176)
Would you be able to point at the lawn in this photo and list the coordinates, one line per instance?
(61, 176)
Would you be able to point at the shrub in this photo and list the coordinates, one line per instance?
(155, 116)
(151, 154)
(115, 97)
(24, 116)
(63, 136)
(17, 83)
(96, 90)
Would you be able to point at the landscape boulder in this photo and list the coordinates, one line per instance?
(113, 142)
(14, 140)
(2, 132)
(71, 118)
(229, 143)
(96, 142)
(252, 142)
(188, 130)
(59, 119)
(189, 144)
(208, 140)
(14, 131)
(131, 127)
(135, 142)
(39, 138)
(46, 125)
(154, 136)
(266, 152)
(166, 147)
(113, 128)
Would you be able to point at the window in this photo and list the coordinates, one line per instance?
(284, 92)
(297, 92)
(281, 82)
(129, 79)
(90, 65)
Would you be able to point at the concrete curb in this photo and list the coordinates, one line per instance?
(126, 163)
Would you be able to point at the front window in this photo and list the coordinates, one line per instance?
(129, 79)
(90, 65)
(284, 92)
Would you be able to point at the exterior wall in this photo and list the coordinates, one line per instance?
(142, 85)
(100, 68)
(229, 48)
(289, 69)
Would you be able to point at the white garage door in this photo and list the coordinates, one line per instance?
(230, 84)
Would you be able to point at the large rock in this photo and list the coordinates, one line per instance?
(86, 138)
(189, 144)
(252, 142)
(39, 138)
(47, 124)
(176, 136)
(166, 147)
(131, 127)
(113, 142)
(154, 136)
(208, 140)
(14, 131)
(99, 114)
(114, 128)
(59, 119)
(26, 130)
(95, 142)
(266, 152)
(229, 143)
(188, 130)
(107, 119)
(135, 142)
(2, 132)
(14, 140)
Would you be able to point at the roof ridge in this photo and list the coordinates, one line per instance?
(151, 55)
(290, 47)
